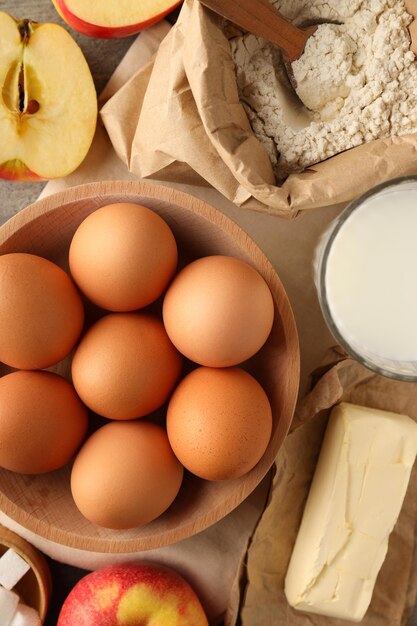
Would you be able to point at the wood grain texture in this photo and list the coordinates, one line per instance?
(43, 504)
(261, 18)
(103, 56)
(35, 586)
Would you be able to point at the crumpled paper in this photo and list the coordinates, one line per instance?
(209, 559)
(295, 242)
(186, 123)
(258, 598)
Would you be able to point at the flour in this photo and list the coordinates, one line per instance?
(324, 71)
(358, 81)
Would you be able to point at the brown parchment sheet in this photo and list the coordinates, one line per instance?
(258, 598)
(186, 124)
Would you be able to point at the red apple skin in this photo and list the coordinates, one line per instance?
(132, 595)
(16, 170)
(107, 32)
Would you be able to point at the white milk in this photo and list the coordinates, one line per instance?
(371, 278)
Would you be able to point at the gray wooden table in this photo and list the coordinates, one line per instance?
(103, 57)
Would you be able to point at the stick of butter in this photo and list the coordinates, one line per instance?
(354, 502)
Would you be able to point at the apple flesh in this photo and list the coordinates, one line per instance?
(132, 595)
(48, 103)
(109, 19)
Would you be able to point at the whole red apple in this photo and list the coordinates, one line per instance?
(132, 595)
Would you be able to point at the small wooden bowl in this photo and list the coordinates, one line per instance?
(43, 504)
(35, 586)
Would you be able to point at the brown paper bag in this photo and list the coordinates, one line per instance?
(261, 599)
(193, 127)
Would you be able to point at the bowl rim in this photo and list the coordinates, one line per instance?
(98, 191)
(37, 563)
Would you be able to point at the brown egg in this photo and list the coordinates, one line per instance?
(123, 256)
(41, 312)
(218, 311)
(125, 366)
(42, 422)
(219, 422)
(125, 475)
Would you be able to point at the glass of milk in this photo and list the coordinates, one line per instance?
(366, 275)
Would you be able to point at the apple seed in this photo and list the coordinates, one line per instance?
(32, 107)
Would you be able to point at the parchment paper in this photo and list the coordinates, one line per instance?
(190, 123)
(261, 593)
(209, 560)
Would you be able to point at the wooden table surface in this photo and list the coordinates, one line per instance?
(103, 57)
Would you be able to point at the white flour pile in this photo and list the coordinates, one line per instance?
(359, 81)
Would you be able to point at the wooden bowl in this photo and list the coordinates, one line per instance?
(43, 504)
(35, 586)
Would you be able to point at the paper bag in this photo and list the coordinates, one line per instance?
(190, 126)
(261, 600)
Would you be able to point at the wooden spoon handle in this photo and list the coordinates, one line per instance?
(261, 18)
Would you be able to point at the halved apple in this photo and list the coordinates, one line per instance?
(113, 18)
(48, 103)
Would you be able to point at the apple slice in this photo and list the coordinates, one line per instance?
(113, 18)
(48, 103)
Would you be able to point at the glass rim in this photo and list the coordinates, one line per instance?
(326, 247)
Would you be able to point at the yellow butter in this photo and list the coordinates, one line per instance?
(354, 502)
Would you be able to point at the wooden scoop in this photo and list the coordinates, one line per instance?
(261, 18)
